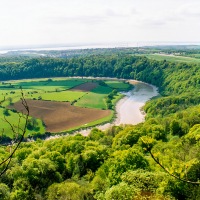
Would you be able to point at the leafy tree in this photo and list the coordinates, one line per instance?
(4, 191)
(22, 190)
(6, 112)
(121, 191)
(96, 134)
(122, 161)
(67, 190)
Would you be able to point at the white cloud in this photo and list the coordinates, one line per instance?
(190, 10)
(80, 19)
(68, 21)
(113, 13)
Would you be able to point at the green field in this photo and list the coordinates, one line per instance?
(40, 88)
(118, 85)
(172, 58)
(12, 95)
(13, 119)
(95, 98)
(56, 90)
(49, 85)
(57, 96)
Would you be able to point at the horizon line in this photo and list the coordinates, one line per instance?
(98, 45)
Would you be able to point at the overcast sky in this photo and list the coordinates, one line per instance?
(34, 22)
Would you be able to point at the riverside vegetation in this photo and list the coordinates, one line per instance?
(115, 164)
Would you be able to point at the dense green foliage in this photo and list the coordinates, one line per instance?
(115, 164)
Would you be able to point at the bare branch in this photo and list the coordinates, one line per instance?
(148, 143)
(17, 133)
(180, 179)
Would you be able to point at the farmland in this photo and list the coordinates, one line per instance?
(60, 104)
(98, 94)
(59, 116)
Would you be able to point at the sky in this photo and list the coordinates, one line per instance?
(48, 22)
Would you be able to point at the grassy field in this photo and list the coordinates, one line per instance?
(11, 95)
(57, 96)
(95, 98)
(82, 93)
(40, 88)
(118, 85)
(13, 119)
(49, 85)
(172, 58)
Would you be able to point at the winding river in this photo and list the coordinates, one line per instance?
(129, 108)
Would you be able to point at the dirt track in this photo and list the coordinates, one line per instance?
(60, 116)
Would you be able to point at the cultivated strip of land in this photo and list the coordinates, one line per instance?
(60, 116)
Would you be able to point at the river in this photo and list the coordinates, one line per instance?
(128, 109)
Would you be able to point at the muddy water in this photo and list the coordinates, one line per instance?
(129, 108)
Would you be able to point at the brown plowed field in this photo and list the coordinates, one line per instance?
(85, 87)
(60, 116)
